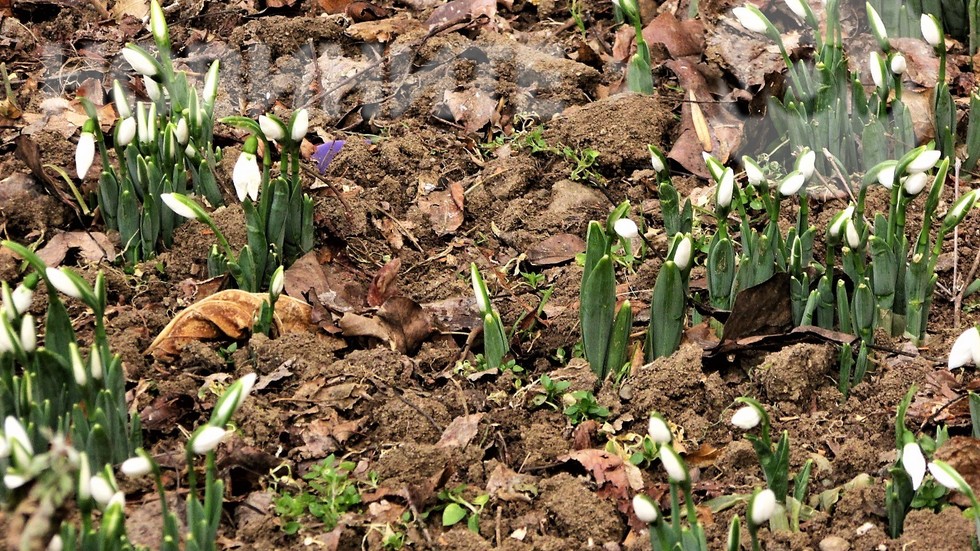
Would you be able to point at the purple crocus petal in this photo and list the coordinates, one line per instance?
(326, 152)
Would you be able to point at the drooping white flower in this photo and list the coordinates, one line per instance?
(792, 183)
(746, 418)
(851, 234)
(6, 336)
(15, 434)
(914, 463)
(932, 31)
(180, 204)
(658, 430)
(626, 228)
(797, 7)
(751, 18)
(22, 298)
(761, 507)
(946, 475)
(915, 183)
(301, 123)
(877, 66)
(28, 334)
(84, 477)
(644, 509)
(55, 544)
(806, 163)
(886, 176)
(898, 65)
(136, 466)
(966, 349)
(84, 154)
(682, 255)
(247, 177)
(153, 89)
(657, 159)
(211, 84)
(207, 439)
(126, 131)
(673, 464)
(13, 481)
(754, 172)
(726, 189)
(64, 284)
(140, 61)
(102, 490)
(924, 161)
(272, 129)
(118, 499)
(119, 97)
(837, 223)
(95, 363)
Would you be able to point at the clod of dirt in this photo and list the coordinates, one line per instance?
(793, 373)
(410, 417)
(947, 530)
(579, 514)
(411, 463)
(674, 387)
(461, 539)
(618, 127)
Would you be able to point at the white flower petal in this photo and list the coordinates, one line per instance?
(965, 348)
(208, 439)
(644, 509)
(626, 228)
(246, 177)
(750, 19)
(746, 418)
(658, 430)
(301, 124)
(84, 154)
(673, 464)
(762, 506)
(60, 281)
(136, 466)
(914, 463)
(924, 161)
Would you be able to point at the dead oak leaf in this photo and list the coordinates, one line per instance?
(460, 432)
(92, 247)
(227, 315)
(614, 477)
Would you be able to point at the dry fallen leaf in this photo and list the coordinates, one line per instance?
(444, 211)
(227, 315)
(556, 249)
(471, 107)
(92, 247)
(460, 432)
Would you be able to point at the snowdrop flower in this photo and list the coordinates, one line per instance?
(102, 490)
(797, 7)
(232, 400)
(179, 204)
(837, 223)
(966, 349)
(657, 159)
(153, 89)
(125, 131)
(806, 163)
(960, 209)
(924, 161)
(55, 544)
(207, 439)
(95, 363)
(947, 476)
(136, 466)
(85, 152)
(746, 418)
(64, 284)
(658, 429)
(792, 183)
(716, 169)
(272, 129)
(851, 234)
(6, 332)
(482, 300)
(13, 481)
(915, 183)
(278, 281)
(246, 175)
(914, 463)
(626, 228)
(22, 297)
(674, 465)
(751, 19)
(886, 176)
(140, 60)
(300, 124)
(119, 97)
(878, 27)
(211, 85)
(682, 253)
(877, 66)
(754, 172)
(932, 31)
(77, 367)
(28, 334)
(16, 435)
(644, 509)
(158, 24)
(898, 65)
(182, 132)
(84, 477)
(761, 507)
(726, 189)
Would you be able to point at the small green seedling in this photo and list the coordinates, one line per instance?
(584, 407)
(328, 494)
(459, 508)
(553, 391)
